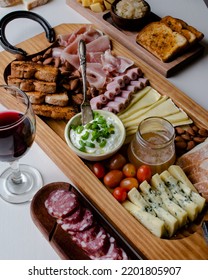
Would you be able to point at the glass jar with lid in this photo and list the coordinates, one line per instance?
(153, 144)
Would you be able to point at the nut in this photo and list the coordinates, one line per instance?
(74, 84)
(191, 131)
(186, 136)
(181, 145)
(203, 132)
(57, 62)
(190, 145)
(179, 130)
(48, 60)
(178, 139)
(199, 139)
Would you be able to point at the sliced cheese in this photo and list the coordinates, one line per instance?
(177, 172)
(177, 117)
(143, 113)
(179, 213)
(155, 225)
(171, 223)
(184, 201)
(147, 100)
(136, 198)
(188, 190)
(147, 190)
(136, 97)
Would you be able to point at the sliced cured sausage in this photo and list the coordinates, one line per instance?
(61, 203)
(85, 223)
(114, 252)
(74, 218)
(86, 235)
(97, 246)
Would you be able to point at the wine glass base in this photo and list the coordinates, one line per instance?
(18, 193)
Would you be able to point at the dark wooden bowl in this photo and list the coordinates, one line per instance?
(129, 24)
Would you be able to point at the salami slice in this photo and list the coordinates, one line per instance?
(61, 203)
(86, 235)
(114, 252)
(73, 218)
(85, 223)
(97, 246)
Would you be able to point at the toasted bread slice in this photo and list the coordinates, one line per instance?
(59, 99)
(32, 85)
(177, 26)
(30, 70)
(55, 112)
(161, 41)
(36, 97)
(199, 35)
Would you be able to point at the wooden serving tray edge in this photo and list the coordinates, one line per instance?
(147, 245)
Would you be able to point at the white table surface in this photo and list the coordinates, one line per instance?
(19, 238)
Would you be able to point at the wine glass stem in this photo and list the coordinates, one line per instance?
(16, 174)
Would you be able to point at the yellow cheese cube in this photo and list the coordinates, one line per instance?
(107, 5)
(97, 7)
(86, 3)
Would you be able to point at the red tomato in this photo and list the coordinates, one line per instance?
(144, 173)
(113, 178)
(120, 194)
(129, 170)
(99, 170)
(117, 162)
(129, 183)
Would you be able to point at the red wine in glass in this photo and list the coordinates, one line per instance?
(18, 138)
(19, 182)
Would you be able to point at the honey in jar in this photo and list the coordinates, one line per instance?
(153, 144)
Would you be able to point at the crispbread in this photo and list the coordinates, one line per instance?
(161, 41)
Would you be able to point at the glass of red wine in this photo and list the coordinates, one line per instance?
(19, 182)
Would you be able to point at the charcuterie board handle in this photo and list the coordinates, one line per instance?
(50, 34)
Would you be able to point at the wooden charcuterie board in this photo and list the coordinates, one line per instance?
(127, 38)
(190, 243)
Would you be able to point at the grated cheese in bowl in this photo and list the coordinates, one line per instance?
(131, 9)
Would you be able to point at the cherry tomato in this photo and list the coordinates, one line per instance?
(120, 194)
(99, 170)
(129, 170)
(144, 173)
(117, 162)
(113, 178)
(129, 183)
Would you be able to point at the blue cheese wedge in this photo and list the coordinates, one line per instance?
(179, 213)
(135, 197)
(171, 223)
(152, 223)
(184, 200)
